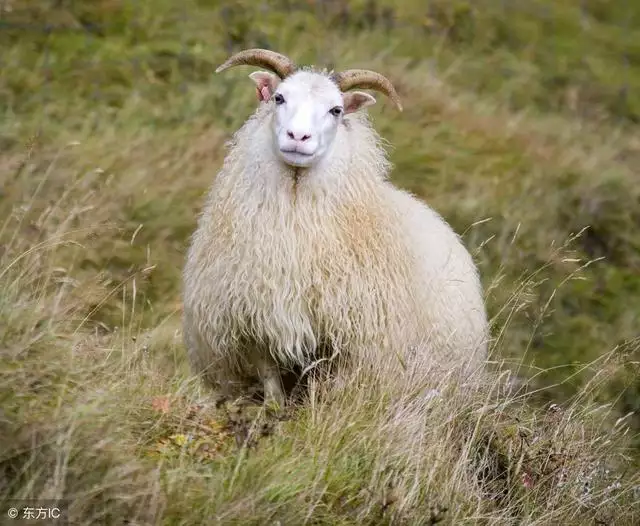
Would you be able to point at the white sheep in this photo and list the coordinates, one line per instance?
(305, 250)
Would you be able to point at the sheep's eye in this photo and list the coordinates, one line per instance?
(335, 111)
(278, 98)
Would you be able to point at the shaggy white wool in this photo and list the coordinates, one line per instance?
(289, 265)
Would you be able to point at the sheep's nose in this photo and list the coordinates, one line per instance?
(298, 136)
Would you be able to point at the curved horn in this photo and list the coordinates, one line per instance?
(365, 79)
(279, 64)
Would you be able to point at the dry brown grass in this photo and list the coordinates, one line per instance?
(99, 406)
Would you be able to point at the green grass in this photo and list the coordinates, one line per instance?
(520, 127)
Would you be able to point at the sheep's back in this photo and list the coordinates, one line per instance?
(448, 288)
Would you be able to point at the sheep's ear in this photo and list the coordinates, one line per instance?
(357, 100)
(266, 84)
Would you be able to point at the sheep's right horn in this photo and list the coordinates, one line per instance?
(279, 64)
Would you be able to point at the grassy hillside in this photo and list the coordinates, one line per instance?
(520, 128)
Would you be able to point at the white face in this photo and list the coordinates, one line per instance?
(308, 108)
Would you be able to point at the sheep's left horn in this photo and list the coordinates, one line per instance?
(279, 64)
(365, 79)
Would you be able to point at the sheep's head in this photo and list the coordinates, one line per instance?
(308, 106)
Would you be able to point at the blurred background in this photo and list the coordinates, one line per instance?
(520, 127)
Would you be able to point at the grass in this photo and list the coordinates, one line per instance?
(520, 128)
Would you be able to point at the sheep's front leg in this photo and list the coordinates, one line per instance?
(270, 376)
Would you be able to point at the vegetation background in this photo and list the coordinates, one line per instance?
(520, 128)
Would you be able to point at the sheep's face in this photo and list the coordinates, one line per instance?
(308, 109)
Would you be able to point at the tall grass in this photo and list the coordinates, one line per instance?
(101, 409)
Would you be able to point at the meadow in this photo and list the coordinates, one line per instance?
(521, 127)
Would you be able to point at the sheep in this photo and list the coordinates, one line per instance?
(305, 251)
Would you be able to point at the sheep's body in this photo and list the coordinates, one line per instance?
(286, 268)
